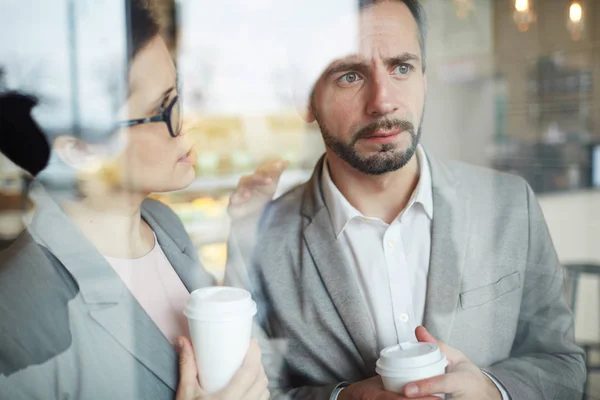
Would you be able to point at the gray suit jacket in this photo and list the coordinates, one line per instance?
(495, 289)
(70, 329)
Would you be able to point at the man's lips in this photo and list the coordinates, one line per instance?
(383, 136)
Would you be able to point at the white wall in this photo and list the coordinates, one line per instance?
(574, 223)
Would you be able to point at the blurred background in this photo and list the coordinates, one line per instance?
(513, 85)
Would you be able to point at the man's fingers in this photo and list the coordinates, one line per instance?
(423, 335)
(443, 384)
(388, 396)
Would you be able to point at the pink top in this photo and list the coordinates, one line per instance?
(157, 287)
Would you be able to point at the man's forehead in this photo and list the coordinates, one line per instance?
(379, 38)
(387, 27)
(387, 24)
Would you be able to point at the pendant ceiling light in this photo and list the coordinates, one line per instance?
(464, 8)
(524, 15)
(575, 23)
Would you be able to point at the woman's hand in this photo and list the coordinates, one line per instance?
(249, 382)
(255, 191)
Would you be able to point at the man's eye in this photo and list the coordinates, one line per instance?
(402, 69)
(350, 77)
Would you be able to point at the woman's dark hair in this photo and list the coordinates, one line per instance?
(142, 26)
(21, 139)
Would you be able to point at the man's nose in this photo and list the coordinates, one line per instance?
(383, 96)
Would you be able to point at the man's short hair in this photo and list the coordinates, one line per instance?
(329, 36)
(418, 13)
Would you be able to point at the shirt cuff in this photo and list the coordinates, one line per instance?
(336, 392)
(503, 391)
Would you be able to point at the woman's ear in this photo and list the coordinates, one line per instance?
(76, 153)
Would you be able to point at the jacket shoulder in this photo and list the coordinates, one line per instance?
(284, 210)
(481, 181)
(35, 290)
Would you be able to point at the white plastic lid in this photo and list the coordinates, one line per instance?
(220, 304)
(409, 355)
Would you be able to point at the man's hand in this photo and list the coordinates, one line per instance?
(463, 379)
(372, 389)
(255, 191)
(249, 383)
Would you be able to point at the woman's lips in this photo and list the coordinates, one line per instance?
(189, 157)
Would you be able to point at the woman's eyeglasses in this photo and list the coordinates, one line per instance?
(171, 116)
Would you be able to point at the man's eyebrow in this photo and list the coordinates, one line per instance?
(402, 58)
(363, 67)
(346, 67)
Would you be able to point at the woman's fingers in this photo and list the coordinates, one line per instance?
(273, 169)
(256, 190)
(258, 388)
(188, 387)
(246, 376)
(266, 395)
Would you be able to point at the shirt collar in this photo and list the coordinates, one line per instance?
(342, 212)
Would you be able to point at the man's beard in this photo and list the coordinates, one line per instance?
(388, 159)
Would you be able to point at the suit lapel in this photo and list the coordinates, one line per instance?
(111, 304)
(129, 324)
(450, 231)
(174, 247)
(336, 275)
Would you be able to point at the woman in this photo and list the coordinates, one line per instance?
(91, 295)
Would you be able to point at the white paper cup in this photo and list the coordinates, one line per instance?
(220, 320)
(409, 362)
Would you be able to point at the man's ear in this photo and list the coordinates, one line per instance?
(309, 113)
(304, 107)
(76, 153)
(309, 116)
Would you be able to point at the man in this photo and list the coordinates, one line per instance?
(385, 238)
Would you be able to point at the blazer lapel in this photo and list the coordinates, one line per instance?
(127, 322)
(110, 302)
(450, 232)
(337, 277)
(180, 255)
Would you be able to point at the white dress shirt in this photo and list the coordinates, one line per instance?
(389, 261)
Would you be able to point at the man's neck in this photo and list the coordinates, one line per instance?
(114, 225)
(376, 196)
